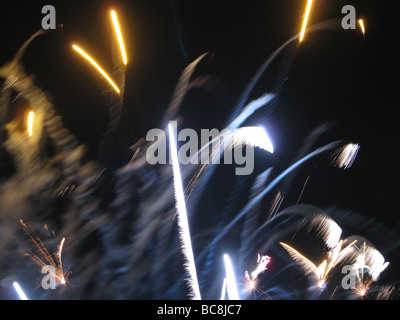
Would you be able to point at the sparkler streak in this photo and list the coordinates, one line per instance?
(119, 36)
(230, 279)
(303, 29)
(99, 69)
(183, 223)
(361, 23)
(44, 258)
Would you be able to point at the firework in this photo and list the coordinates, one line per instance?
(251, 278)
(99, 69)
(321, 272)
(119, 36)
(253, 136)
(362, 26)
(20, 292)
(345, 156)
(44, 258)
(30, 123)
(303, 29)
(183, 223)
(230, 279)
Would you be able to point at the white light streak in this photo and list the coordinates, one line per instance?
(254, 136)
(183, 223)
(230, 279)
(19, 291)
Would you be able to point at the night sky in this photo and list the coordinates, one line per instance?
(336, 77)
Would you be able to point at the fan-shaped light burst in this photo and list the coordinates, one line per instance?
(119, 36)
(254, 136)
(30, 123)
(183, 223)
(327, 229)
(362, 26)
(230, 279)
(345, 156)
(307, 15)
(321, 272)
(20, 292)
(99, 69)
(44, 258)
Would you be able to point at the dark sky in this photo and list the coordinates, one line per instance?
(336, 77)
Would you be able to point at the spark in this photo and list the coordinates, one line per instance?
(45, 258)
(251, 279)
(321, 272)
(183, 224)
(105, 75)
(19, 291)
(361, 23)
(119, 36)
(303, 29)
(344, 157)
(30, 123)
(230, 279)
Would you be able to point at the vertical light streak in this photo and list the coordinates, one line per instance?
(361, 23)
(20, 292)
(303, 29)
(223, 290)
(119, 36)
(230, 279)
(30, 123)
(183, 223)
(60, 247)
(105, 75)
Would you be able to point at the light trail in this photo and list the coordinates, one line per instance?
(303, 29)
(103, 73)
(119, 36)
(20, 292)
(362, 26)
(183, 224)
(230, 279)
(30, 123)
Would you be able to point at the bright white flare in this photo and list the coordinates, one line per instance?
(183, 223)
(230, 279)
(20, 292)
(254, 136)
(119, 36)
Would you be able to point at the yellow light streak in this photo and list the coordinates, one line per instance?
(119, 36)
(303, 29)
(87, 57)
(30, 123)
(361, 23)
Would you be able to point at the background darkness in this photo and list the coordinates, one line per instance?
(336, 77)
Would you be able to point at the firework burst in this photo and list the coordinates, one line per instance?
(51, 262)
